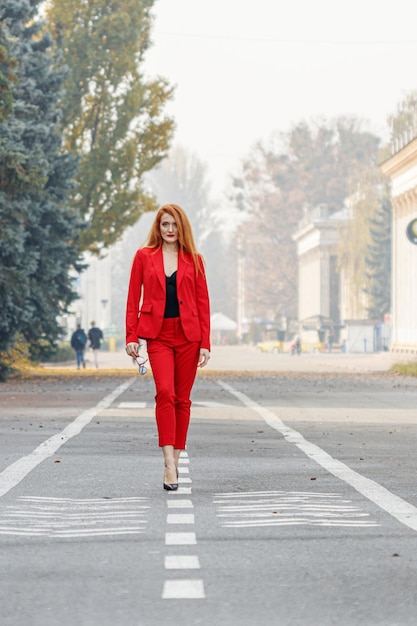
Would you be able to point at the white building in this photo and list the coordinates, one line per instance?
(401, 168)
(318, 275)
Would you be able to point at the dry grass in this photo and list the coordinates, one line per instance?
(404, 369)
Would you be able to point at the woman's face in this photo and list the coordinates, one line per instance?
(168, 228)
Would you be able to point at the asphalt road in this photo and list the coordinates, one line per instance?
(297, 502)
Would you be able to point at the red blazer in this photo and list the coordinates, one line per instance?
(147, 294)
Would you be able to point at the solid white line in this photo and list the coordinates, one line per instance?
(180, 539)
(18, 470)
(180, 518)
(183, 589)
(183, 470)
(182, 562)
(180, 504)
(183, 479)
(401, 510)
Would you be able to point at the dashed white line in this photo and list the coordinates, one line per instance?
(180, 561)
(132, 405)
(180, 518)
(180, 504)
(180, 539)
(183, 589)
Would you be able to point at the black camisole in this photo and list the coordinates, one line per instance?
(171, 304)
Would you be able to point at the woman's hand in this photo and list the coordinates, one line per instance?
(132, 349)
(204, 357)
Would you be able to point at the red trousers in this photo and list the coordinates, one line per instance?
(174, 362)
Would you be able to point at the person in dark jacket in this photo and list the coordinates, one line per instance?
(95, 337)
(78, 342)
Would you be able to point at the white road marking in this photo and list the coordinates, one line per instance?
(17, 471)
(184, 480)
(183, 470)
(182, 562)
(70, 517)
(394, 505)
(180, 504)
(142, 405)
(293, 508)
(180, 518)
(183, 461)
(183, 589)
(180, 539)
(132, 405)
(181, 491)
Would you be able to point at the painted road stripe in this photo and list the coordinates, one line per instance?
(394, 505)
(180, 539)
(132, 405)
(183, 589)
(182, 562)
(180, 518)
(183, 470)
(181, 491)
(61, 517)
(184, 480)
(180, 504)
(17, 471)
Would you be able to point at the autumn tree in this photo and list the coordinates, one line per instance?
(7, 75)
(113, 117)
(314, 163)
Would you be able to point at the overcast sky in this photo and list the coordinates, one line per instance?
(243, 69)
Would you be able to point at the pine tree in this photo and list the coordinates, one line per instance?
(38, 230)
(378, 260)
(113, 117)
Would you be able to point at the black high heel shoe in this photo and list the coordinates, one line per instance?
(172, 487)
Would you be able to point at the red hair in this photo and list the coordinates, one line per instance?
(186, 241)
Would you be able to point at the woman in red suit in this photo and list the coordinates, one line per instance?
(168, 305)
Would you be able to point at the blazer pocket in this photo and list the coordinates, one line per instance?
(146, 308)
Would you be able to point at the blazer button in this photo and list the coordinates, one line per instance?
(180, 301)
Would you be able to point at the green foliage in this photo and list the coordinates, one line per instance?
(365, 246)
(38, 230)
(61, 353)
(113, 117)
(378, 259)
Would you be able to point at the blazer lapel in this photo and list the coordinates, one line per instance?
(158, 264)
(182, 266)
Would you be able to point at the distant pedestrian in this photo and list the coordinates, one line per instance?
(296, 346)
(330, 341)
(95, 337)
(78, 342)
